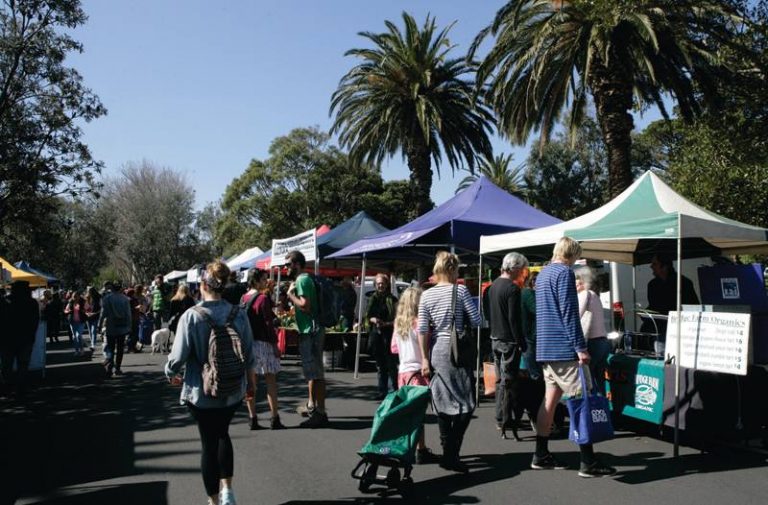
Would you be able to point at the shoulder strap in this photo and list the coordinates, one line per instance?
(205, 315)
(232, 314)
(453, 305)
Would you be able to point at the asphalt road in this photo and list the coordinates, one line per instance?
(83, 439)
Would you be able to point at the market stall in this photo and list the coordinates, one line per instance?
(456, 225)
(647, 218)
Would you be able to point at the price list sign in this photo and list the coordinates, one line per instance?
(711, 341)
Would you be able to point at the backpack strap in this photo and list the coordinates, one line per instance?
(232, 314)
(205, 315)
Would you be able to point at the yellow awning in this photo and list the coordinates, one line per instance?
(34, 281)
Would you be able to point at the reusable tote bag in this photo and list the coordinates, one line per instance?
(590, 415)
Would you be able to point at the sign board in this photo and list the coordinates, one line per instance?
(636, 387)
(305, 242)
(711, 341)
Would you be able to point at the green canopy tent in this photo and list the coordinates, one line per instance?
(646, 218)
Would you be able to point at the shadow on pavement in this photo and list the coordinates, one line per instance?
(155, 493)
(77, 426)
(658, 466)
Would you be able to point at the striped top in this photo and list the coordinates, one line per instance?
(435, 310)
(558, 325)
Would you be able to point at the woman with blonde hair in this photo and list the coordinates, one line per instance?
(213, 414)
(453, 387)
(405, 342)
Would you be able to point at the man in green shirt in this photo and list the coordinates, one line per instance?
(303, 295)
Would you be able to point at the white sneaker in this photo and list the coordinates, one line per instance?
(227, 497)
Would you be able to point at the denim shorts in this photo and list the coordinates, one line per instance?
(311, 350)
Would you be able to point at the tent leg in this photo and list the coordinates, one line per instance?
(360, 298)
(479, 328)
(676, 450)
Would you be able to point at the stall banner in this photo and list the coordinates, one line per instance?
(636, 387)
(305, 242)
(711, 341)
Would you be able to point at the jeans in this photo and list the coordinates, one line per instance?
(115, 344)
(506, 357)
(77, 335)
(598, 348)
(386, 364)
(158, 317)
(93, 331)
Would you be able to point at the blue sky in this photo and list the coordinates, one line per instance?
(203, 87)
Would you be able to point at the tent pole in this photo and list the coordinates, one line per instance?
(634, 298)
(676, 450)
(360, 298)
(277, 286)
(479, 328)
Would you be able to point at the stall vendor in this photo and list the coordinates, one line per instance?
(662, 292)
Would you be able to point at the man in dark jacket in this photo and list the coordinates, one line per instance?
(18, 322)
(116, 313)
(507, 340)
(381, 320)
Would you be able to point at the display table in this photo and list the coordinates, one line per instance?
(635, 387)
(711, 404)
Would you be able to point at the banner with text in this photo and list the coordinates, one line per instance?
(711, 341)
(304, 242)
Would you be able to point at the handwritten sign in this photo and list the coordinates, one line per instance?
(711, 341)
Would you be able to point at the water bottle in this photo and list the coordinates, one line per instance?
(627, 343)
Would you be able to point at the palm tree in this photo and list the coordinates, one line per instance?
(408, 95)
(548, 55)
(498, 170)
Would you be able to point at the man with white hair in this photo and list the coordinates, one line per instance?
(507, 341)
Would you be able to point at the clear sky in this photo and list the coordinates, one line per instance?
(204, 86)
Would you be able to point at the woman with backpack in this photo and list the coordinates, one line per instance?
(215, 343)
(258, 307)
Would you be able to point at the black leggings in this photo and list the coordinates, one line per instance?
(452, 430)
(217, 459)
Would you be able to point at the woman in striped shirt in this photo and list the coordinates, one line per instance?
(453, 388)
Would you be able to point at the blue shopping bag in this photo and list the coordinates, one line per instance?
(590, 415)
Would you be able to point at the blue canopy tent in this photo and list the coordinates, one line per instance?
(23, 265)
(456, 225)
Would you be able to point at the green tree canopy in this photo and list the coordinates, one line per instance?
(304, 183)
(626, 54)
(42, 105)
(408, 95)
(567, 180)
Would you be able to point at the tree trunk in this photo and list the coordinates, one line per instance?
(612, 91)
(420, 166)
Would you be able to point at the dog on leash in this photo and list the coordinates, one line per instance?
(161, 340)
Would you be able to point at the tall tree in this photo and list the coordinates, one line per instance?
(42, 105)
(499, 170)
(626, 54)
(151, 210)
(408, 95)
(304, 183)
(568, 180)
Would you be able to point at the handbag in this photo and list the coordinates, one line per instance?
(590, 415)
(463, 351)
(375, 341)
